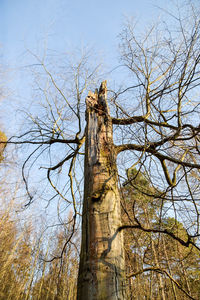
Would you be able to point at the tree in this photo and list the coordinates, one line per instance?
(159, 267)
(58, 279)
(15, 253)
(23, 274)
(155, 115)
(3, 140)
(102, 263)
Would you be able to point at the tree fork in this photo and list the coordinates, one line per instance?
(102, 261)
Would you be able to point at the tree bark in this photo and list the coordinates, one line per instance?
(102, 260)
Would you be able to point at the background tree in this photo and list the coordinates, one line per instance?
(3, 140)
(159, 266)
(23, 274)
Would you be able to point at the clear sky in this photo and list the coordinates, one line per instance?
(66, 23)
(61, 25)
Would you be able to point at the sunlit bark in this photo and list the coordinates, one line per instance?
(101, 273)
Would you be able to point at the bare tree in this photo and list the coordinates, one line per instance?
(102, 261)
(155, 116)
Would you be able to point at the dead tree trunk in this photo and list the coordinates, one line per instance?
(102, 262)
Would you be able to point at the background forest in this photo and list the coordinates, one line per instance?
(171, 270)
(153, 95)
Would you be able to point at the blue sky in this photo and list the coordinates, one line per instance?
(65, 24)
(61, 26)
